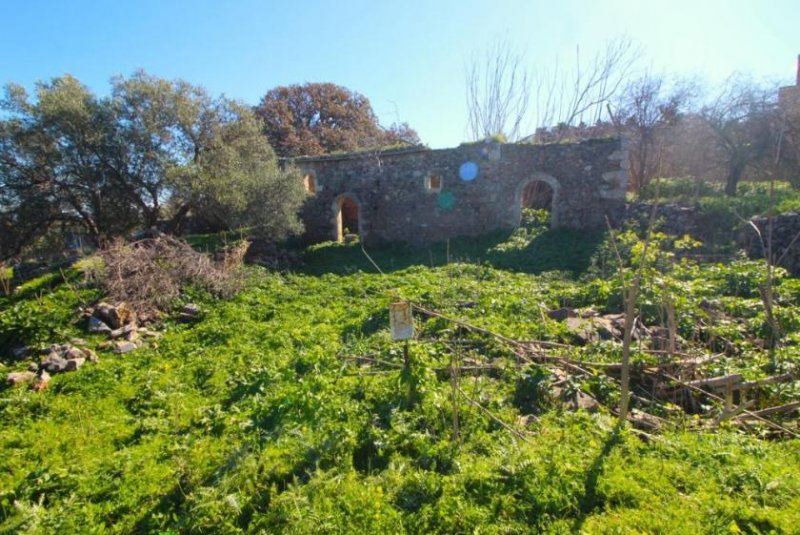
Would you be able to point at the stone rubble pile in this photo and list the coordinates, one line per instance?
(118, 322)
(58, 358)
(588, 326)
(121, 324)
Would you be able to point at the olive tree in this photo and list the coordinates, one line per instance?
(150, 153)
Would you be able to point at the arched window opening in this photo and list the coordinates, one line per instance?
(537, 203)
(310, 184)
(347, 219)
(537, 195)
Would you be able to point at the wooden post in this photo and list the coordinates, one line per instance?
(729, 394)
(455, 362)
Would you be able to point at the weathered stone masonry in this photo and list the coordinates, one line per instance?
(418, 195)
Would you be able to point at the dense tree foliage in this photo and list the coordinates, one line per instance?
(320, 118)
(150, 153)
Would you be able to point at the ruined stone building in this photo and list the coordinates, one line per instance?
(789, 96)
(419, 196)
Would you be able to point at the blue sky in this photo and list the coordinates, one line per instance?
(407, 57)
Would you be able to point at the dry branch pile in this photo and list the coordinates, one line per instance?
(677, 384)
(148, 274)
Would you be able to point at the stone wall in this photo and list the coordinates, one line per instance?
(785, 231)
(396, 203)
(672, 218)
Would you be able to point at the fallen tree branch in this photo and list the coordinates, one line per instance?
(494, 418)
(752, 414)
(788, 407)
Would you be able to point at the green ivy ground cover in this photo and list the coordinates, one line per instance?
(253, 420)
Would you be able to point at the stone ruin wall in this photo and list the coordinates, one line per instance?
(589, 180)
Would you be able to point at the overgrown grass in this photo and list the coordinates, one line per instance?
(752, 197)
(532, 248)
(254, 420)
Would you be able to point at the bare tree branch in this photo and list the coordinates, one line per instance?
(498, 92)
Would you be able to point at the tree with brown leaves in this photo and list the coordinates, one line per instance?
(320, 118)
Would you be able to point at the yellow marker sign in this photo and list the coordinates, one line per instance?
(401, 321)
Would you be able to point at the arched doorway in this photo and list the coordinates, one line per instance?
(537, 195)
(346, 217)
(540, 192)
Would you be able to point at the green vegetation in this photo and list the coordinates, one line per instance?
(148, 155)
(752, 199)
(259, 418)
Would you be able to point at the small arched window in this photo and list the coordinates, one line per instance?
(310, 183)
(433, 183)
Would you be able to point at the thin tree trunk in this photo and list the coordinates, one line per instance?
(732, 180)
(173, 225)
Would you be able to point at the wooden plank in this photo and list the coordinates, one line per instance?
(715, 383)
(783, 378)
(788, 407)
(728, 414)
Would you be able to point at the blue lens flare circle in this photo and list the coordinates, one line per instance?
(468, 171)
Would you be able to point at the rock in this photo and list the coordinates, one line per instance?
(18, 378)
(125, 330)
(124, 347)
(526, 420)
(132, 336)
(147, 333)
(105, 345)
(582, 330)
(149, 317)
(91, 356)
(121, 315)
(19, 353)
(582, 401)
(74, 364)
(115, 316)
(33, 367)
(78, 342)
(188, 313)
(42, 382)
(607, 328)
(191, 309)
(54, 364)
(560, 314)
(55, 348)
(98, 326)
(73, 353)
(707, 305)
(103, 311)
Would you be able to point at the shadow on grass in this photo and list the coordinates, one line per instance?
(564, 250)
(589, 503)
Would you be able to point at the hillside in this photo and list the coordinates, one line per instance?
(288, 408)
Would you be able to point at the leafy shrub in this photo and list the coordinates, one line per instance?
(679, 189)
(532, 393)
(6, 275)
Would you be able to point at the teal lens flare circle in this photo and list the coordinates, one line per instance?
(445, 200)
